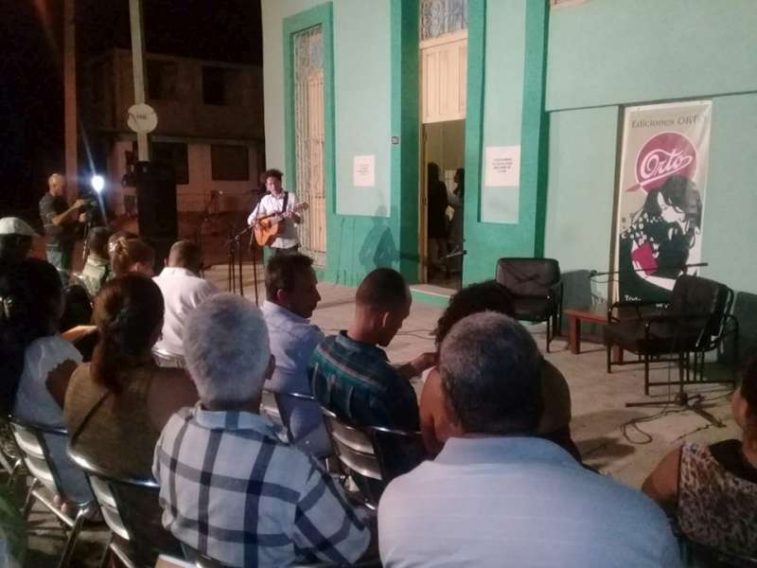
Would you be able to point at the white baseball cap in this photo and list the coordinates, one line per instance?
(16, 226)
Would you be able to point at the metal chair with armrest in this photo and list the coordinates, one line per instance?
(536, 288)
(695, 320)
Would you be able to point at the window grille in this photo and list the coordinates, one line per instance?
(310, 137)
(440, 17)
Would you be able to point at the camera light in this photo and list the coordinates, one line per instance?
(97, 182)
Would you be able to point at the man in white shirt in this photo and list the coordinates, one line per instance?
(291, 297)
(497, 495)
(280, 204)
(183, 290)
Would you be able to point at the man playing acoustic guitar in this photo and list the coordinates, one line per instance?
(276, 214)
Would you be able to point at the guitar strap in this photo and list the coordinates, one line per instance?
(286, 201)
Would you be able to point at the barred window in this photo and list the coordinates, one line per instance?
(440, 17)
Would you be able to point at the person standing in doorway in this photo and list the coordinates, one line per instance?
(437, 219)
(61, 223)
(278, 205)
(456, 225)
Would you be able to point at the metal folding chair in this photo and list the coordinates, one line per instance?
(35, 453)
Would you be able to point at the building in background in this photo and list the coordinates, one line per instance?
(361, 94)
(210, 126)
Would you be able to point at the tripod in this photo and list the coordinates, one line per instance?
(682, 399)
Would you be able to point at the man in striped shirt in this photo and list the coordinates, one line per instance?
(231, 488)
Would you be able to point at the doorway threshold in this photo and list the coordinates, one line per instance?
(431, 294)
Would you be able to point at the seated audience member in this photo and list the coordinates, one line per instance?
(117, 405)
(183, 290)
(36, 362)
(131, 255)
(350, 373)
(712, 490)
(96, 269)
(230, 487)
(15, 239)
(291, 297)
(435, 424)
(497, 495)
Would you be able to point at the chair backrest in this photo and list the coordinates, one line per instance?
(292, 409)
(353, 447)
(695, 296)
(30, 438)
(528, 277)
(130, 508)
(269, 407)
(373, 456)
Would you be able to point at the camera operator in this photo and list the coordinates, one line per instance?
(61, 223)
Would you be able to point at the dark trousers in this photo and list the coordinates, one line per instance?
(284, 251)
(61, 255)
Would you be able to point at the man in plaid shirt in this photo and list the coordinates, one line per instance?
(231, 488)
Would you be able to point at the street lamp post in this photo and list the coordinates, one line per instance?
(70, 113)
(138, 68)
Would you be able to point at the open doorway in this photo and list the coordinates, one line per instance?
(443, 89)
(443, 154)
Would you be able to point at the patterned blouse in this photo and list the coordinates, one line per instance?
(717, 497)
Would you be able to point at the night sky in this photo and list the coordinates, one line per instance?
(31, 78)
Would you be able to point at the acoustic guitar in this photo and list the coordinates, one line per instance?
(267, 228)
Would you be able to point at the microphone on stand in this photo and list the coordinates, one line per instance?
(683, 267)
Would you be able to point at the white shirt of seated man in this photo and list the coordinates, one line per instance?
(273, 204)
(183, 290)
(496, 495)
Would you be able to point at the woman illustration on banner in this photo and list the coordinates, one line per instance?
(655, 248)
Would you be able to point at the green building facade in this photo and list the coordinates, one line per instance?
(553, 81)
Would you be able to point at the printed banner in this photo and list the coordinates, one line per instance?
(663, 176)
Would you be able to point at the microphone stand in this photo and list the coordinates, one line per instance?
(235, 263)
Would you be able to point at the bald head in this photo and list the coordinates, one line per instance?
(186, 254)
(57, 184)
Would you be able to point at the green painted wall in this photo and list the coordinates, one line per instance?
(603, 54)
(730, 210)
(375, 85)
(504, 221)
(362, 66)
(273, 13)
(360, 234)
(618, 51)
(580, 206)
(580, 172)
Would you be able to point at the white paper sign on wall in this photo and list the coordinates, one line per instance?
(502, 166)
(364, 171)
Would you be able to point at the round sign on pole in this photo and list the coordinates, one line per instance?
(142, 118)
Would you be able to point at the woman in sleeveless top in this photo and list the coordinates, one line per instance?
(712, 490)
(117, 405)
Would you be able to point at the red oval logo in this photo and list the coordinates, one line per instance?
(664, 155)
